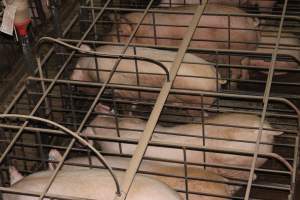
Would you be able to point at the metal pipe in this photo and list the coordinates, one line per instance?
(119, 56)
(75, 136)
(265, 102)
(19, 133)
(150, 126)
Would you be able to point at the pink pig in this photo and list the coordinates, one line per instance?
(213, 33)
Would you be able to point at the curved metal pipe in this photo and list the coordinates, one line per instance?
(74, 135)
(128, 57)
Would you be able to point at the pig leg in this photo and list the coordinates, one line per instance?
(14, 175)
(54, 155)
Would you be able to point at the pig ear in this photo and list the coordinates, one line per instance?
(89, 132)
(125, 28)
(54, 155)
(256, 22)
(14, 175)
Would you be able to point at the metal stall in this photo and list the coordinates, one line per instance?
(203, 98)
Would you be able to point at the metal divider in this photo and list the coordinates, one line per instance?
(265, 102)
(161, 99)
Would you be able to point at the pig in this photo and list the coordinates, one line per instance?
(131, 128)
(88, 184)
(149, 166)
(263, 5)
(267, 46)
(213, 34)
(200, 77)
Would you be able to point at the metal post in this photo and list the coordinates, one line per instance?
(84, 16)
(30, 63)
(54, 7)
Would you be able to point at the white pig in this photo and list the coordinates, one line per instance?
(267, 46)
(200, 77)
(131, 128)
(212, 32)
(263, 5)
(208, 187)
(88, 184)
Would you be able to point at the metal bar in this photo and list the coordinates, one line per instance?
(47, 56)
(10, 146)
(179, 91)
(95, 100)
(193, 49)
(269, 16)
(265, 102)
(291, 133)
(19, 133)
(118, 56)
(36, 194)
(48, 185)
(147, 134)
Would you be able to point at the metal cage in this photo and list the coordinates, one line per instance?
(270, 96)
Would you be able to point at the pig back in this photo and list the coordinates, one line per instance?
(212, 32)
(199, 76)
(131, 128)
(91, 184)
(168, 172)
(244, 131)
(218, 133)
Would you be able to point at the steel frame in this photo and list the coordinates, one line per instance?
(291, 113)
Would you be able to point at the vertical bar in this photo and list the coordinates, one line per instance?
(203, 131)
(186, 179)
